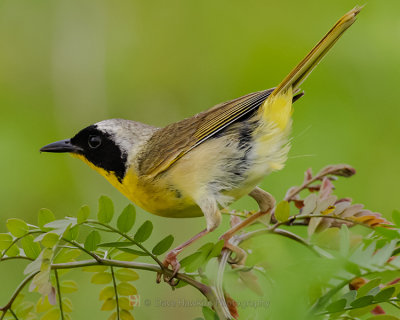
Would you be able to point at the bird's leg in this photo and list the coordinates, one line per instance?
(171, 258)
(265, 202)
(213, 218)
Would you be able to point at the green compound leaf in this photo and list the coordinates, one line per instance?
(32, 249)
(83, 214)
(106, 209)
(127, 218)
(282, 211)
(387, 233)
(206, 249)
(125, 256)
(385, 294)
(92, 240)
(45, 216)
(126, 315)
(344, 240)
(52, 314)
(23, 309)
(124, 303)
(133, 252)
(350, 297)
(362, 302)
(144, 231)
(126, 289)
(49, 239)
(17, 227)
(67, 305)
(101, 278)
(192, 262)
(5, 240)
(366, 288)
(13, 251)
(209, 314)
(107, 293)
(396, 217)
(163, 245)
(337, 306)
(43, 304)
(68, 286)
(216, 250)
(125, 274)
(116, 244)
(67, 255)
(108, 305)
(72, 233)
(61, 226)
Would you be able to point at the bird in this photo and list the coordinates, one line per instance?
(199, 165)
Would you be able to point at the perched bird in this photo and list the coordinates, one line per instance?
(201, 164)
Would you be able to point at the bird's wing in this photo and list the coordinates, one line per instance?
(175, 140)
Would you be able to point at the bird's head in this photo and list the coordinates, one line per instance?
(110, 146)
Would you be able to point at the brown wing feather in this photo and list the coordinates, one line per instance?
(175, 140)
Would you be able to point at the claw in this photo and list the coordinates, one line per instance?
(240, 254)
(170, 260)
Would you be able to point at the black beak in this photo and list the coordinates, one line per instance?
(61, 146)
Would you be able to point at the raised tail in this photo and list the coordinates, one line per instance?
(296, 77)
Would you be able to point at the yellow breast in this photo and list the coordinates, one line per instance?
(154, 196)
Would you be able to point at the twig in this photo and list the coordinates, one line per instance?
(130, 239)
(115, 290)
(290, 196)
(14, 314)
(17, 239)
(204, 289)
(59, 294)
(77, 245)
(16, 257)
(281, 232)
(15, 295)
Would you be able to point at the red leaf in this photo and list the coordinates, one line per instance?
(299, 204)
(232, 306)
(378, 310)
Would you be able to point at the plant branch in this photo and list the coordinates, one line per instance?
(77, 245)
(16, 257)
(115, 290)
(309, 216)
(130, 239)
(17, 239)
(59, 294)
(15, 294)
(337, 170)
(281, 232)
(13, 313)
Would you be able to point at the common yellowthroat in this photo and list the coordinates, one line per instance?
(198, 165)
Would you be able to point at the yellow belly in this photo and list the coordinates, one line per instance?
(154, 196)
(157, 197)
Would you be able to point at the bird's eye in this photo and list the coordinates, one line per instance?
(94, 141)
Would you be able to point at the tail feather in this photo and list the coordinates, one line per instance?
(296, 77)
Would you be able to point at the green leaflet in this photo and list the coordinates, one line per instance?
(144, 231)
(127, 218)
(106, 209)
(92, 240)
(163, 245)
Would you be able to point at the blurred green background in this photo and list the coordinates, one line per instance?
(67, 64)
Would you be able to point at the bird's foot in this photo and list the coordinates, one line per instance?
(170, 260)
(239, 254)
